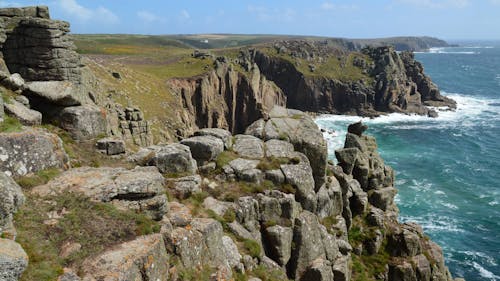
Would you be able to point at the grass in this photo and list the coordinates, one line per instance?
(96, 226)
(39, 178)
(272, 163)
(10, 125)
(225, 157)
(252, 248)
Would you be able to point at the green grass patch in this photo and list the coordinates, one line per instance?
(39, 178)
(225, 157)
(96, 226)
(272, 163)
(252, 247)
(10, 125)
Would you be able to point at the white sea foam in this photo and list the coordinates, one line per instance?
(484, 272)
(475, 254)
(450, 51)
(431, 223)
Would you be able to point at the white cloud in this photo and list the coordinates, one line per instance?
(439, 4)
(149, 17)
(81, 13)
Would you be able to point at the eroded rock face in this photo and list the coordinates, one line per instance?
(169, 159)
(300, 130)
(83, 122)
(142, 259)
(11, 199)
(30, 151)
(22, 113)
(13, 260)
(139, 189)
(225, 98)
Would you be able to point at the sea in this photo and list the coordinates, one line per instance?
(448, 168)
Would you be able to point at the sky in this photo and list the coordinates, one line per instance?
(446, 19)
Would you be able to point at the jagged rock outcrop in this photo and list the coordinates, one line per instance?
(129, 124)
(30, 151)
(13, 260)
(174, 158)
(142, 259)
(392, 83)
(138, 189)
(11, 199)
(226, 98)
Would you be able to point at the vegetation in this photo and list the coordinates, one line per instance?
(39, 178)
(10, 125)
(45, 225)
(252, 247)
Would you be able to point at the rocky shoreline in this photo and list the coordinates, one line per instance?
(246, 194)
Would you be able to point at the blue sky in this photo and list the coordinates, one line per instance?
(448, 19)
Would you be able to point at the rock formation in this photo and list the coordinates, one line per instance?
(226, 98)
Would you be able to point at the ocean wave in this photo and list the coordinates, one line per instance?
(484, 272)
(446, 51)
(433, 224)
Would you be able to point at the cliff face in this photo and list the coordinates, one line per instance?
(394, 83)
(225, 98)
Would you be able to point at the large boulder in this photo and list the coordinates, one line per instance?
(248, 146)
(111, 146)
(202, 244)
(300, 130)
(144, 258)
(329, 199)
(301, 178)
(204, 148)
(174, 158)
(224, 135)
(311, 242)
(186, 186)
(13, 260)
(278, 241)
(83, 122)
(53, 92)
(139, 189)
(30, 151)
(25, 115)
(11, 199)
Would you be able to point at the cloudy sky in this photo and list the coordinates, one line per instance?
(448, 19)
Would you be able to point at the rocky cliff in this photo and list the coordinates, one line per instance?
(382, 80)
(226, 98)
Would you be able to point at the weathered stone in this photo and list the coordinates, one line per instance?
(140, 189)
(204, 148)
(404, 242)
(11, 199)
(276, 176)
(402, 272)
(248, 146)
(186, 186)
(301, 178)
(357, 128)
(375, 217)
(245, 170)
(247, 213)
(14, 82)
(13, 260)
(200, 245)
(172, 159)
(69, 248)
(319, 270)
(218, 207)
(269, 208)
(329, 199)
(308, 244)
(278, 149)
(30, 151)
(231, 250)
(178, 214)
(61, 93)
(382, 198)
(83, 122)
(422, 267)
(111, 146)
(347, 158)
(144, 258)
(221, 134)
(278, 243)
(341, 269)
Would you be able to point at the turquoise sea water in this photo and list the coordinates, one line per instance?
(448, 168)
